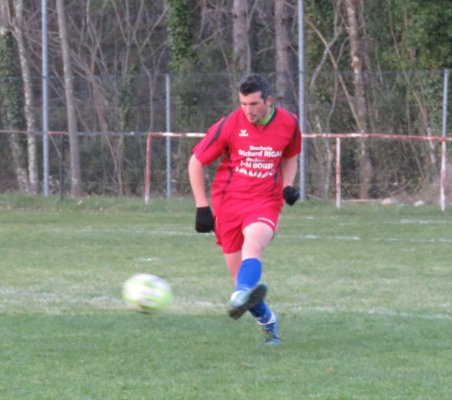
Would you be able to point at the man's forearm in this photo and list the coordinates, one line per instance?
(289, 171)
(197, 182)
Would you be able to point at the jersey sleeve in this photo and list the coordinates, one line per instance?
(294, 146)
(212, 145)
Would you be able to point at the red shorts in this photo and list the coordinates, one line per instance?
(231, 219)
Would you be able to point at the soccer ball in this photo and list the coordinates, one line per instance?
(146, 293)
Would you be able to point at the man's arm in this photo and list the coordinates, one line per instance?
(288, 172)
(204, 219)
(197, 181)
(289, 167)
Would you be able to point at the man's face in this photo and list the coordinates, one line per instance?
(254, 106)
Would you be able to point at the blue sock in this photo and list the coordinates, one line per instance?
(249, 274)
(261, 313)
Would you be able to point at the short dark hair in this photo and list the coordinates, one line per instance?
(255, 83)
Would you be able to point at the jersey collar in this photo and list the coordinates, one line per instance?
(267, 119)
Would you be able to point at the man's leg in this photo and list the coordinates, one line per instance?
(257, 238)
(248, 293)
(233, 261)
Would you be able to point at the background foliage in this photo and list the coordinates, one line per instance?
(121, 52)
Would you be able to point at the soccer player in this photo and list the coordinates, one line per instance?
(258, 144)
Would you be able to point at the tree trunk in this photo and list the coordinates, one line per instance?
(366, 172)
(282, 52)
(11, 102)
(18, 28)
(240, 37)
(74, 148)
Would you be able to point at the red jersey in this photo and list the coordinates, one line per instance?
(250, 166)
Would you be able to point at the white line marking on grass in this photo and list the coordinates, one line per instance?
(143, 231)
(357, 238)
(424, 221)
(308, 236)
(443, 317)
(411, 240)
(34, 300)
(171, 233)
(148, 259)
(197, 307)
(317, 237)
(380, 313)
(53, 303)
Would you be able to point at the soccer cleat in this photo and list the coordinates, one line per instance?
(271, 334)
(242, 300)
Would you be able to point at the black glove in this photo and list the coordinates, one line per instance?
(204, 220)
(291, 195)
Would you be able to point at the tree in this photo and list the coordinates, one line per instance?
(320, 57)
(352, 9)
(428, 35)
(117, 55)
(18, 29)
(76, 182)
(119, 51)
(283, 44)
(240, 37)
(180, 36)
(11, 99)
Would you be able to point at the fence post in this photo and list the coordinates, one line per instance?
(168, 138)
(443, 199)
(45, 100)
(61, 171)
(338, 173)
(301, 100)
(147, 173)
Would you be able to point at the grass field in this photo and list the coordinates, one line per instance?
(364, 296)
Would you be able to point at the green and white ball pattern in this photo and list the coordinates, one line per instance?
(146, 293)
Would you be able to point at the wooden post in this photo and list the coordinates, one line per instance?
(147, 173)
(338, 172)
